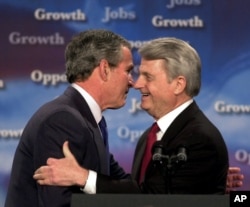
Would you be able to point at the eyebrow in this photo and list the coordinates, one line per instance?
(146, 74)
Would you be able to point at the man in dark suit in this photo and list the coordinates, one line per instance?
(169, 78)
(98, 65)
(205, 151)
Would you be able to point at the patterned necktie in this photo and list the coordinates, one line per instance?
(147, 153)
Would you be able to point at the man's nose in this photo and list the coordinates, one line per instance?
(137, 84)
(131, 81)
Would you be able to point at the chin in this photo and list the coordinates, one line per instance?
(144, 106)
(147, 109)
(118, 106)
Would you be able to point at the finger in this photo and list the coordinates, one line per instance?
(238, 177)
(239, 184)
(43, 182)
(41, 170)
(38, 171)
(40, 182)
(66, 151)
(37, 177)
(234, 170)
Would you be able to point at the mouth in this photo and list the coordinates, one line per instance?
(145, 94)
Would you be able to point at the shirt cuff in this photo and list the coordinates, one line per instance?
(90, 186)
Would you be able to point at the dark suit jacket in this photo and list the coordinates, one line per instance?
(68, 117)
(204, 172)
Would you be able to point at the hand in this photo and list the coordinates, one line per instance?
(234, 179)
(62, 172)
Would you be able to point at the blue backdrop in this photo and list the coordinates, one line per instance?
(32, 42)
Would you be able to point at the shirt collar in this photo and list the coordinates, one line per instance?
(165, 121)
(93, 105)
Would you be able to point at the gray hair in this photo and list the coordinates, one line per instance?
(180, 59)
(88, 48)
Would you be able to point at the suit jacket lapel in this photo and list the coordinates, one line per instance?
(139, 151)
(84, 110)
(180, 121)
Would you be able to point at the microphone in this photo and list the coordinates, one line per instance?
(158, 154)
(157, 151)
(182, 154)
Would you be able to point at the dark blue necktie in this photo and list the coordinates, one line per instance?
(103, 127)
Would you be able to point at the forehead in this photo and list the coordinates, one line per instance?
(127, 59)
(152, 65)
(127, 54)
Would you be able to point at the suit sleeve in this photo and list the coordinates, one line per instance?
(53, 133)
(116, 171)
(106, 184)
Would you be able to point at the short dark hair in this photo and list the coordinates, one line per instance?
(85, 51)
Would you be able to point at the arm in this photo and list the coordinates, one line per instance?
(67, 172)
(59, 127)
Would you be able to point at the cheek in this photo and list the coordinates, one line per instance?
(123, 82)
(117, 91)
(120, 79)
(156, 89)
(161, 96)
(164, 89)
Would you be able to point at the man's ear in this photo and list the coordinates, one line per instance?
(180, 84)
(104, 69)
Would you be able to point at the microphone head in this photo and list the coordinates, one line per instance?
(157, 157)
(157, 151)
(182, 154)
(157, 148)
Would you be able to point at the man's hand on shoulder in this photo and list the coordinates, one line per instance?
(62, 172)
